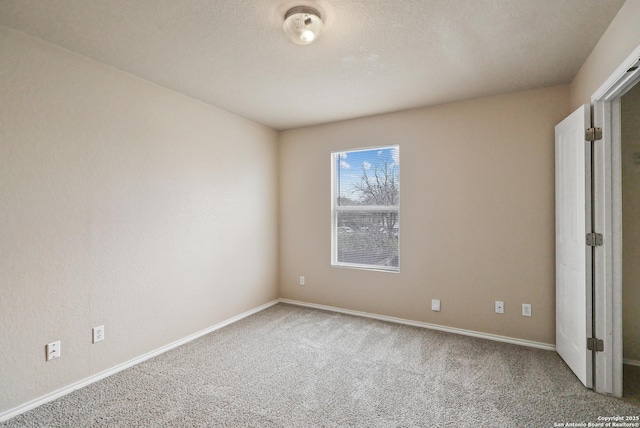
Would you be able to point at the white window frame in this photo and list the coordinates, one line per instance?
(335, 210)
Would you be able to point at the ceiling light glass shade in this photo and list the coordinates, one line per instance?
(302, 24)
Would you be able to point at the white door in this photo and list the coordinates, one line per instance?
(573, 256)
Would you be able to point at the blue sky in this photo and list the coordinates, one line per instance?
(350, 167)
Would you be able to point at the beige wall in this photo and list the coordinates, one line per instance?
(630, 224)
(615, 45)
(477, 214)
(123, 204)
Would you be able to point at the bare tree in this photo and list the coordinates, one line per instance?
(381, 188)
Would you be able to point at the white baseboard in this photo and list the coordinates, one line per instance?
(631, 362)
(106, 373)
(494, 337)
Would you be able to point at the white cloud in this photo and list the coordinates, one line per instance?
(379, 152)
(342, 155)
(344, 164)
(366, 165)
(395, 154)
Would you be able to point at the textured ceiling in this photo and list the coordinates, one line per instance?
(373, 56)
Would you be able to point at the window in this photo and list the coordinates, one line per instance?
(365, 228)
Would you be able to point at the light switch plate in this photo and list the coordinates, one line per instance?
(435, 305)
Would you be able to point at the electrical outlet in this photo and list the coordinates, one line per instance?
(302, 280)
(499, 307)
(435, 305)
(98, 334)
(53, 350)
(526, 309)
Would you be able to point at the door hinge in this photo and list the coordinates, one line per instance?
(594, 239)
(594, 344)
(593, 134)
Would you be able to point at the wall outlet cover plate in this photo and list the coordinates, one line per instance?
(53, 350)
(98, 333)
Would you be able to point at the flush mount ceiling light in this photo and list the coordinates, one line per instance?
(302, 24)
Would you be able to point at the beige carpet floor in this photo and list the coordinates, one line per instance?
(296, 367)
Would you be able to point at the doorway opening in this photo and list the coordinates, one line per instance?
(630, 169)
(616, 110)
